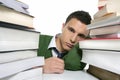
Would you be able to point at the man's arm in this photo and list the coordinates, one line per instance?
(53, 65)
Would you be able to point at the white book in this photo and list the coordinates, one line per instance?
(101, 44)
(28, 75)
(17, 55)
(32, 74)
(108, 60)
(11, 68)
(105, 22)
(14, 37)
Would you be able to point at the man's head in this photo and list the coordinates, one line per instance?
(82, 16)
(74, 30)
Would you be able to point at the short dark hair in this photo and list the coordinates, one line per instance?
(82, 16)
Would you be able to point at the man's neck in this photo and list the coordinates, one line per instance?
(59, 44)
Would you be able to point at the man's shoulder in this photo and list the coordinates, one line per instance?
(44, 36)
(45, 39)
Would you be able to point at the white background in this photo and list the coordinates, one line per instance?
(51, 14)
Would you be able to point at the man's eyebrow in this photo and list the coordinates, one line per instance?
(70, 28)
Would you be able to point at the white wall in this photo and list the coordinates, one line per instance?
(50, 14)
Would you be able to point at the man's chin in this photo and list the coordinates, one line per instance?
(68, 49)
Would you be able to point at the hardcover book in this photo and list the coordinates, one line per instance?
(112, 29)
(15, 37)
(108, 60)
(102, 74)
(11, 16)
(101, 44)
(105, 23)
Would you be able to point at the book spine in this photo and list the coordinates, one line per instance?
(102, 74)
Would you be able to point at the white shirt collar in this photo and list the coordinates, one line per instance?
(52, 42)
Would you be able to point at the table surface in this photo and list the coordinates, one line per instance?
(70, 75)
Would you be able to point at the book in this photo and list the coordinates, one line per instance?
(14, 37)
(17, 55)
(12, 68)
(102, 74)
(112, 29)
(110, 15)
(101, 44)
(16, 5)
(12, 16)
(107, 36)
(31, 74)
(108, 60)
(101, 3)
(105, 22)
(110, 7)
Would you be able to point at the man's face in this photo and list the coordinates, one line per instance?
(72, 32)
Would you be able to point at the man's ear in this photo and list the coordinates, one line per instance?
(63, 25)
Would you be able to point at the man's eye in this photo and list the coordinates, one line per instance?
(82, 36)
(70, 29)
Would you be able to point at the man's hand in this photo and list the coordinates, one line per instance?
(53, 65)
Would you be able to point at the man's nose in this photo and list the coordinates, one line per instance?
(73, 39)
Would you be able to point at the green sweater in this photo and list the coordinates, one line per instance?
(72, 59)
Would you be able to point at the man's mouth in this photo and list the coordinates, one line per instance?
(69, 45)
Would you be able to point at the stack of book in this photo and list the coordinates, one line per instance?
(106, 9)
(18, 46)
(102, 51)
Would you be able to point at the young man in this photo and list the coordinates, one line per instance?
(66, 43)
